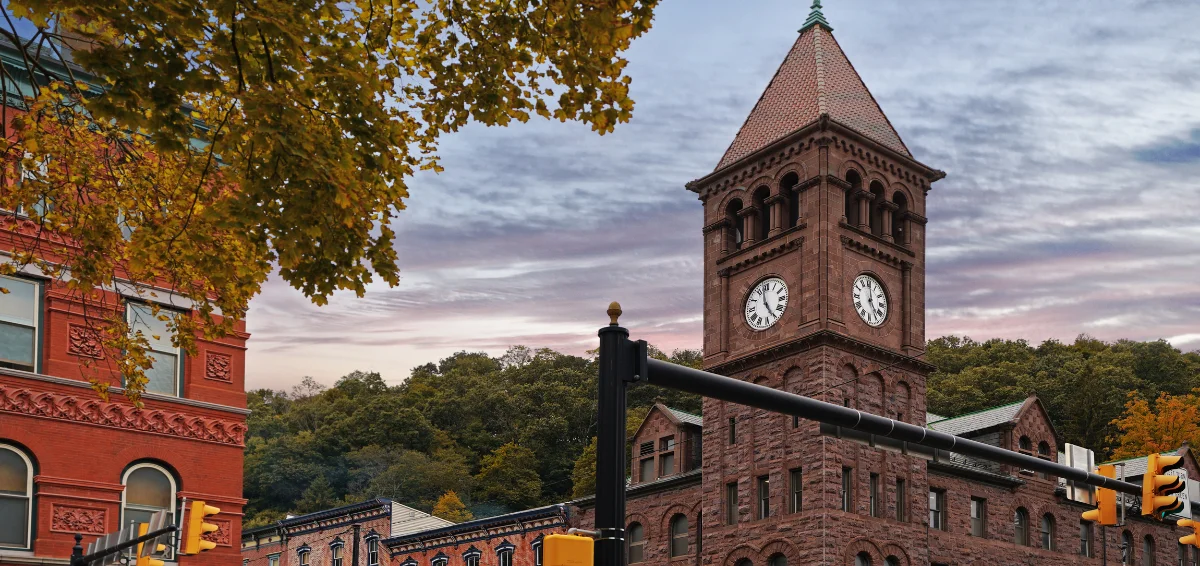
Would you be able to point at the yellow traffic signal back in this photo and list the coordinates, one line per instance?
(1194, 538)
(1105, 512)
(568, 550)
(193, 543)
(1157, 487)
(143, 553)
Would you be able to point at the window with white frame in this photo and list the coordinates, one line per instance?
(373, 551)
(504, 554)
(273, 560)
(440, 560)
(16, 497)
(149, 488)
(537, 551)
(303, 555)
(19, 316)
(471, 557)
(164, 376)
(335, 553)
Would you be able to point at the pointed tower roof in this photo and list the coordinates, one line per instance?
(816, 78)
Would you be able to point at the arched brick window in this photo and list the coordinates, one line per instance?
(679, 535)
(877, 208)
(793, 199)
(744, 562)
(637, 543)
(1025, 444)
(851, 213)
(1021, 527)
(1148, 551)
(16, 497)
(149, 488)
(891, 561)
(1126, 547)
(1049, 532)
(862, 559)
(777, 559)
(737, 232)
(763, 217)
(898, 221)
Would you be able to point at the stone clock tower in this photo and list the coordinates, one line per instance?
(814, 270)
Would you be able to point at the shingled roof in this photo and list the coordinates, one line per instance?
(687, 418)
(979, 420)
(815, 78)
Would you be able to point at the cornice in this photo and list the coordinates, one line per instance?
(888, 252)
(121, 391)
(819, 338)
(716, 226)
(760, 252)
(914, 217)
(968, 472)
(651, 488)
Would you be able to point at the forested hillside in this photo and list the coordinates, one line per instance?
(500, 434)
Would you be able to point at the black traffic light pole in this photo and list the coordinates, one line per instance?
(623, 361)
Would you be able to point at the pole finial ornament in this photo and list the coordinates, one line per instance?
(614, 312)
(816, 18)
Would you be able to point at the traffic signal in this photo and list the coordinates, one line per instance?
(568, 550)
(1105, 512)
(1194, 538)
(145, 549)
(1157, 487)
(196, 527)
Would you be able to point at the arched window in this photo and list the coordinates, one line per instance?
(1126, 547)
(1021, 527)
(1148, 551)
(898, 222)
(891, 561)
(793, 199)
(777, 559)
(148, 488)
(1048, 531)
(16, 497)
(538, 555)
(679, 536)
(471, 557)
(1025, 444)
(440, 560)
(737, 232)
(637, 543)
(855, 181)
(337, 552)
(1043, 453)
(877, 208)
(863, 559)
(763, 219)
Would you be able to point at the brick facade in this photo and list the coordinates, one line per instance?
(507, 540)
(316, 538)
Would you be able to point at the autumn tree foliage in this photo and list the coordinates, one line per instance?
(1161, 426)
(451, 508)
(205, 143)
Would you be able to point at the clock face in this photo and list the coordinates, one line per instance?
(766, 303)
(870, 301)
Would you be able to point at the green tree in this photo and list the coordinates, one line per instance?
(220, 141)
(318, 496)
(583, 475)
(451, 508)
(509, 477)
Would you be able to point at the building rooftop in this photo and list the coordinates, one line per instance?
(979, 420)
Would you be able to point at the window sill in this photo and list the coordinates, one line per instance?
(889, 243)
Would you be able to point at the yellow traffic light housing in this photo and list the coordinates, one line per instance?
(1194, 538)
(143, 554)
(1105, 512)
(568, 550)
(1157, 488)
(193, 543)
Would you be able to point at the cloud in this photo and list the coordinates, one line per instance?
(1071, 139)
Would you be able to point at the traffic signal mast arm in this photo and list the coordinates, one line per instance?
(82, 559)
(672, 376)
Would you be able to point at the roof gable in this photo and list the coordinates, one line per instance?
(979, 420)
(814, 79)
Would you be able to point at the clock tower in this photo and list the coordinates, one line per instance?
(814, 271)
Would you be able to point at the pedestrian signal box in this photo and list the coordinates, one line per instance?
(568, 550)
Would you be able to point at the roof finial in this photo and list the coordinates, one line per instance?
(816, 18)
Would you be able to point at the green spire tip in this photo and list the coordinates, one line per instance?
(816, 18)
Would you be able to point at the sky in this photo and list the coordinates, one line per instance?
(1069, 132)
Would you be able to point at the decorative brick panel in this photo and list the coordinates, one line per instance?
(218, 367)
(84, 341)
(221, 536)
(72, 519)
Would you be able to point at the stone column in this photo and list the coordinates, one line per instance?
(887, 211)
(777, 204)
(864, 209)
(749, 216)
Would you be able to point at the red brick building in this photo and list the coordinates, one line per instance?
(351, 535)
(73, 463)
(514, 539)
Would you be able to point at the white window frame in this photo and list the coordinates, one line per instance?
(273, 559)
(130, 306)
(37, 318)
(28, 496)
(441, 560)
(302, 555)
(472, 554)
(537, 551)
(174, 494)
(504, 554)
(334, 558)
(373, 550)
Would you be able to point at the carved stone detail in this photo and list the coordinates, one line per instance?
(71, 519)
(218, 367)
(59, 406)
(84, 341)
(221, 535)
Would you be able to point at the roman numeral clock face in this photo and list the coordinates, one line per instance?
(870, 301)
(766, 302)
